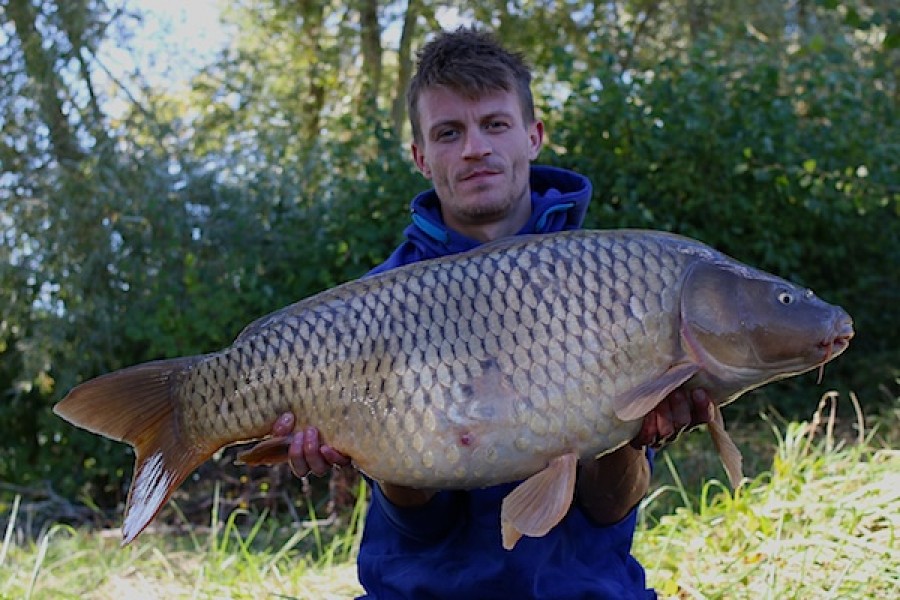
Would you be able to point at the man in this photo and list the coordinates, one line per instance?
(474, 136)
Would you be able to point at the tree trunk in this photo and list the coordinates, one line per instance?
(313, 17)
(404, 65)
(370, 41)
(697, 17)
(39, 64)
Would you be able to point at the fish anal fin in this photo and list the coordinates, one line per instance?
(640, 400)
(537, 504)
(137, 406)
(725, 446)
(271, 451)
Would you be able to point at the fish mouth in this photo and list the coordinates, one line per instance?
(836, 343)
(839, 340)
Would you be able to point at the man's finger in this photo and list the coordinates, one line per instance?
(647, 434)
(284, 425)
(701, 407)
(334, 457)
(295, 456)
(681, 409)
(664, 425)
(312, 453)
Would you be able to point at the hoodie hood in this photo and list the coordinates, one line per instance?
(559, 201)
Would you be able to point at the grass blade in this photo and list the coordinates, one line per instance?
(10, 527)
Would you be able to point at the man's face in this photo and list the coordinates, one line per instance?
(477, 155)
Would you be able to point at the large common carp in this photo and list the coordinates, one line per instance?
(507, 362)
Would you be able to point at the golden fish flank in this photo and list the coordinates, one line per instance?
(505, 363)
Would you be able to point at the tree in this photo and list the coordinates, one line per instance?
(162, 229)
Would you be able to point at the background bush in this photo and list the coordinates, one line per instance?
(165, 229)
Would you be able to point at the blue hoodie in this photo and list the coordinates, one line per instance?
(559, 201)
(451, 546)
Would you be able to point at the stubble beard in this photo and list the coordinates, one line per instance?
(493, 211)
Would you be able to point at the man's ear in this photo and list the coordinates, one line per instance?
(419, 158)
(535, 138)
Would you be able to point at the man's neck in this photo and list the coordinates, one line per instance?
(490, 230)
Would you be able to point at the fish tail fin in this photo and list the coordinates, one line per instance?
(137, 406)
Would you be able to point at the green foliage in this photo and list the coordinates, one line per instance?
(782, 159)
(242, 554)
(164, 230)
(819, 518)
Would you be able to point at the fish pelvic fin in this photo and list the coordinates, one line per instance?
(271, 451)
(725, 446)
(537, 504)
(640, 400)
(137, 406)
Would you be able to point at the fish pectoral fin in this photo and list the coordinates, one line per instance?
(725, 446)
(271, 451)
(136, 405)
(540, 502)
(639, 401)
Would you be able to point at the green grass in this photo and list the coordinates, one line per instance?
(244, 556)
(819, 518)
(822, 522)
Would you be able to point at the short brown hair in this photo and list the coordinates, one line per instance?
(471, 63)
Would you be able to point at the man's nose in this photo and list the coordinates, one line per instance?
(477, 144)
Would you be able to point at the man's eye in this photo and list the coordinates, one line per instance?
(446, 135)
(497, 125)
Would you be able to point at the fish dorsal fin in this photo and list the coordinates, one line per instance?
(728, 451)
(539, 502)
(638, 401)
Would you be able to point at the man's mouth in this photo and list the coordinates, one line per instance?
(479, 174)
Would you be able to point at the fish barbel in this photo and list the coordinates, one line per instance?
(507, 362)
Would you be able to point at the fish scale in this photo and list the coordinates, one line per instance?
(504, 363)
(324, 363)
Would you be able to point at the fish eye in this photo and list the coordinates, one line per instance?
(785, 297)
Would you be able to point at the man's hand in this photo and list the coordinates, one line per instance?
(678, 413)
(610, 486)
(306, 453)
